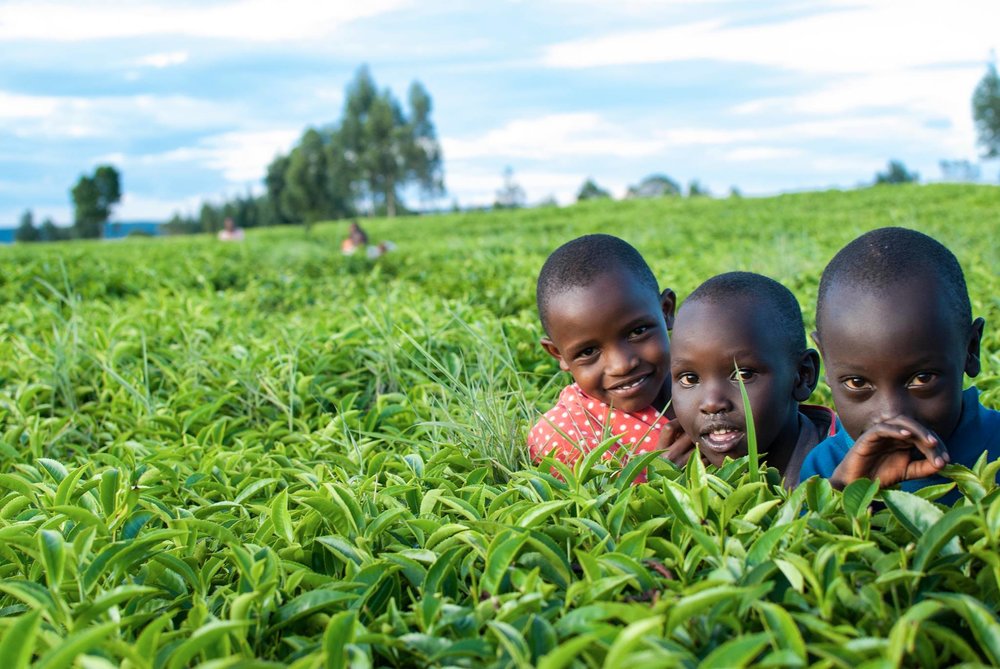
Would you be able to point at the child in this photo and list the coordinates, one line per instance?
(606, 323)
(894, 326)
(744, 326)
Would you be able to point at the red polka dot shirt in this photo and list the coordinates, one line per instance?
(576, 425)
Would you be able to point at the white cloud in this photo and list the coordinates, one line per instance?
(241, 156)
(253, 20)
(925, 90)
(759, 153)
(135, 207)
(108, 117)
(162, 60)
(857, 37)
(551, 136)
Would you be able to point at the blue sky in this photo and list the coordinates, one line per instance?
(191, 100)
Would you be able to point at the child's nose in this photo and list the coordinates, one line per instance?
(715, 399)
(623, 360)
(894, 404)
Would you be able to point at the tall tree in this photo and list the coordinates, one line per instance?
(26, 231)
(93, 198)
(305, 190)
(424, 161)
(274, 181)
(384, 150)
(986, 112)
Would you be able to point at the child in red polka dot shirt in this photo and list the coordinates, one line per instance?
(606, 323)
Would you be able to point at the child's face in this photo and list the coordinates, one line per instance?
(612, 337)
(710, 340)
(898, 353)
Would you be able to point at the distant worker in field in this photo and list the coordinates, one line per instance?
(735, 327)
(356, 239)
(894, 326)
(606, 322)
(229, 231)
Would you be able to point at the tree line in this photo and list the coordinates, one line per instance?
(363, 165)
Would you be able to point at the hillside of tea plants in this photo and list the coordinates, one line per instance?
(266, 454)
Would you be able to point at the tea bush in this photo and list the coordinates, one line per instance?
(268, 454)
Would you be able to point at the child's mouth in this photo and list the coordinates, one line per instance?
(721, 439)
(630, 388)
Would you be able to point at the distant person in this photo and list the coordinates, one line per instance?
(356, 239)
(894, 326)
(742, 326)
(229, 231)
(606, 322)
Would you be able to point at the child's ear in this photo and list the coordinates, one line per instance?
(668, 300)
(551, 349)
(807, 375)
(973, 364)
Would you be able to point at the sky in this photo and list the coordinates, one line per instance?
(191, 99)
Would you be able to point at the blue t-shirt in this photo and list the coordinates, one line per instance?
(978, 430)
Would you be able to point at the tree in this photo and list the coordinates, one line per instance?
(93, 198)
(50, 232)
(305, 191)
(591, 191)
(896, 173)
(655, 185)
(695, 189)
(424, 163)
(510, 195)
(986, 112)
(274, 181)
(384, 150)
(26, 231)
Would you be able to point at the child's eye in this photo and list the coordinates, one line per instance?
(856, 383)
(921, 379)
(639, 331)
(586, 352)
(687, 379)
(744, 374)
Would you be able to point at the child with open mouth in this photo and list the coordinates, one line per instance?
(744, 327)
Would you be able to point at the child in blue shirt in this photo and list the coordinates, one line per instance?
(894, 326)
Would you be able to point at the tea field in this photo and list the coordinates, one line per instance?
(266, 454)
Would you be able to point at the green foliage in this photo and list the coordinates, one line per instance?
(896, 173)
(986, 112)
(591, 191)
(269, 454)
(26, 230)
(93, 197)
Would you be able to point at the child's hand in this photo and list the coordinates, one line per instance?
(885, 452)
(675, 444)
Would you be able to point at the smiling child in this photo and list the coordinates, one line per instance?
(744, 326)
(606, 322)
(894, 325)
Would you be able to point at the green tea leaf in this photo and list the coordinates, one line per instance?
(18, 641)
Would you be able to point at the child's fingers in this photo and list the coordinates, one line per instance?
(918, 469)
(925, 440)
(875, 439)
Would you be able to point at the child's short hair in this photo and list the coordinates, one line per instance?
(888, 256)
(578, 262)
(778, 299)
